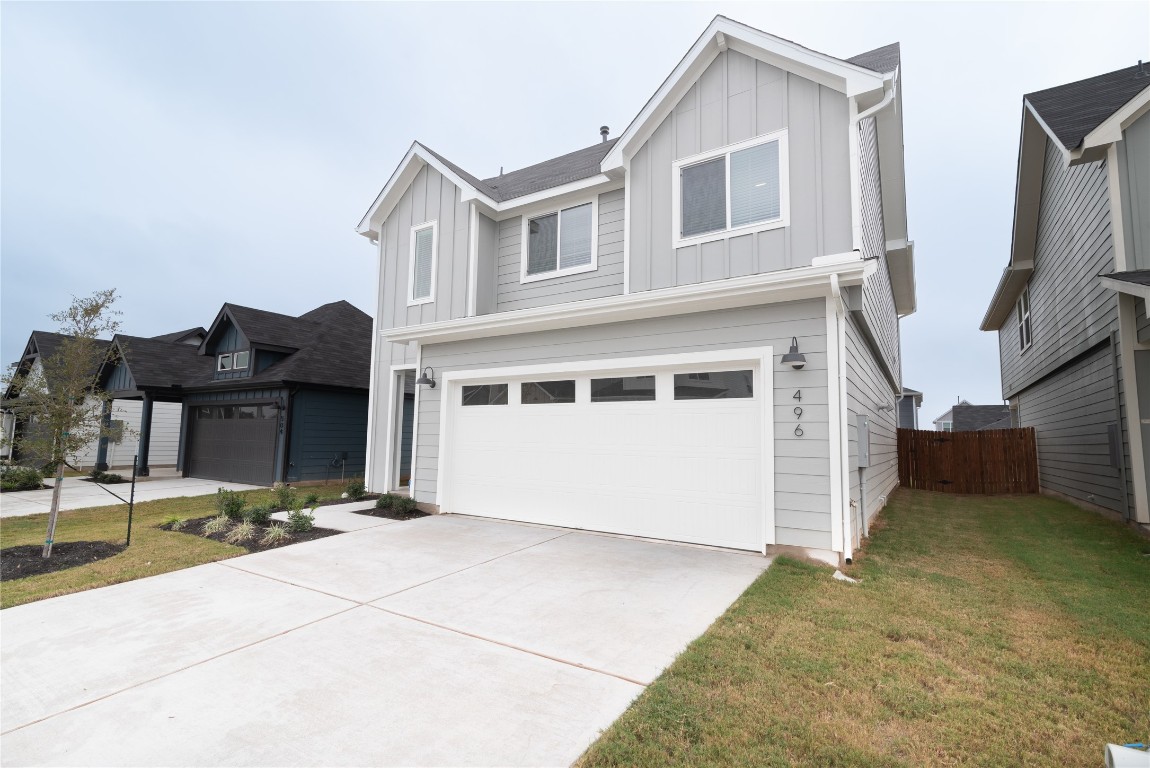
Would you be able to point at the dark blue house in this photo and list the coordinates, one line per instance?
(266, 397)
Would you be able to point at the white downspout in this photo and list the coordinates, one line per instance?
(841, 478)
(889, 92)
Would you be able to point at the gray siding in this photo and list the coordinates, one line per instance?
(121, 379)
(907, 414)
(430, 197)
(487, 267)
(878, 298)
(1134, 174)
(866, 389)
(605, 280)
(1070, 412)
(164, 443)
(738, 98)
(1070, 311)
(1142, 321)
(802, 464)
(325, 425)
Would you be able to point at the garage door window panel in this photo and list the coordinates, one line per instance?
(714, 385)
(623, 389)
(541, 392)
(485, 394)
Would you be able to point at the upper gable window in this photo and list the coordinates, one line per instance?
(732, 190)
(421, 272)
(233, 361)
(559, 242)
(1024, 337)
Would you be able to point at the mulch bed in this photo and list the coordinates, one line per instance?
(195, 526)
(25, 560)
(390, 514)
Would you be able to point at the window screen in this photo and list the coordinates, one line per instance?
(485, 394)
(424, 256)
(575, 237)
(755, 184)
(542, 243)
(535, 392)
(704, 197)
(621, 389)
(714, 385)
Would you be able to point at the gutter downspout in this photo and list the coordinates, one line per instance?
(843, 449)
(889, 93)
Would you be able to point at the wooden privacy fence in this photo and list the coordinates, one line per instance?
(986, 461)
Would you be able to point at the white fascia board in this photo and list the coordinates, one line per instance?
(404, 174)
(1122, 286)
(784, 285)
(577, 189)
(1010, 285)
(721, 34)
(900, 263)
(1111, 129)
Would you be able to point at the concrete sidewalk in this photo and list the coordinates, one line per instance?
(79, 494)
(439, 641)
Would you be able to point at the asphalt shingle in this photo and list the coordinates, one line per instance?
(1073, 110)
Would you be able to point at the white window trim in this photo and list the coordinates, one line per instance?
(523, 253)
(1024, 320)
(246, 365)
(220, 362)
(412, 301)
(678, 241)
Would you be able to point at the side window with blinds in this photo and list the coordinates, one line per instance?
(559, 243)
(736, 189)
(422, 272)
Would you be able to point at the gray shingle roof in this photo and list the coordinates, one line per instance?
(161, 363)
(1073, 110)
(180, 335)
(884, 59)
(966, 418)
(1136, 276)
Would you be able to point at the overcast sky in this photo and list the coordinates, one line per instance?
(191, 154)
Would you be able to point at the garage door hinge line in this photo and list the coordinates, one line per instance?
(176, 671)
(521, 649)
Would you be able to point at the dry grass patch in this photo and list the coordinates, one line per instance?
(986, 631)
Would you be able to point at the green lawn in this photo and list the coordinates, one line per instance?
(986, 631)
(153, 550)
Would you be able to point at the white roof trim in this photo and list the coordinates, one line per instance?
(722, 33)
(783, 285)
(1122, 286)
(1111, 129)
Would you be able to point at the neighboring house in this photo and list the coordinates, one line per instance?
(604, 339)
(945, 422)
(971, 418)
(116, 452)
(1070, 308)
(262, 397)
(908, 408)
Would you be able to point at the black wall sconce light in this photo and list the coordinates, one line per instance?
(427, 379)
(794, 358)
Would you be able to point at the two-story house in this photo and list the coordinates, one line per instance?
(689, 332)
(1070, 308)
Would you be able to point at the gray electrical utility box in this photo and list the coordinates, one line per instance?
(863, 440)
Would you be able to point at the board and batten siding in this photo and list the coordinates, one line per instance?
(1070, 412)
(802, 464)
(605, 280)
(429, 197)
(1134, 179)
(1142, 321)
(1070, 311)
(866, 389)
(878, 298)
(324, 426)
(737, 98)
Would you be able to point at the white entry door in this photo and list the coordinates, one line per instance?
(670, 452)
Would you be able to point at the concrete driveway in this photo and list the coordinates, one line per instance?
(441, 641)
(78, 493)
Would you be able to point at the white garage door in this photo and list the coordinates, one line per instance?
(671, 453)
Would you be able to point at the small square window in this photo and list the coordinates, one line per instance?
(623, 389)
(240, 359)
(720, 385)
(485, 394)
(224, 362)
(536, 392)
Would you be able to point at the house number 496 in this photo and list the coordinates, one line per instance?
(798, 412)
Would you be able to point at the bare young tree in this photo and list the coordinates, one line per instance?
(58, 400)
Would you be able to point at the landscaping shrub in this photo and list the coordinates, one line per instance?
(284, 496)
(20, 479)
(275, 535)
(242, 533)
(258, 515)
(105, 478)
(355, 490)
(174, 523)
(311, 501)
(218, 524)
(230, 504)
(299, 521)
(386, 501)
(405, 505)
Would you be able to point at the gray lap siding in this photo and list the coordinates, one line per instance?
(802, 485)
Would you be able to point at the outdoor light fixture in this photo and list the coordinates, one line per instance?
(794, 358)
(428, 378)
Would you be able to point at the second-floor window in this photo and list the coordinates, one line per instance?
(559, 242)
(233, 361)
(731, 190)
(421, 276)
(1024, 337)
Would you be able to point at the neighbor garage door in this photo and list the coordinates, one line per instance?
(671, 452)
(236, 443)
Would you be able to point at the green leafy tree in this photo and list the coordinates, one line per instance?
(59, 400)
